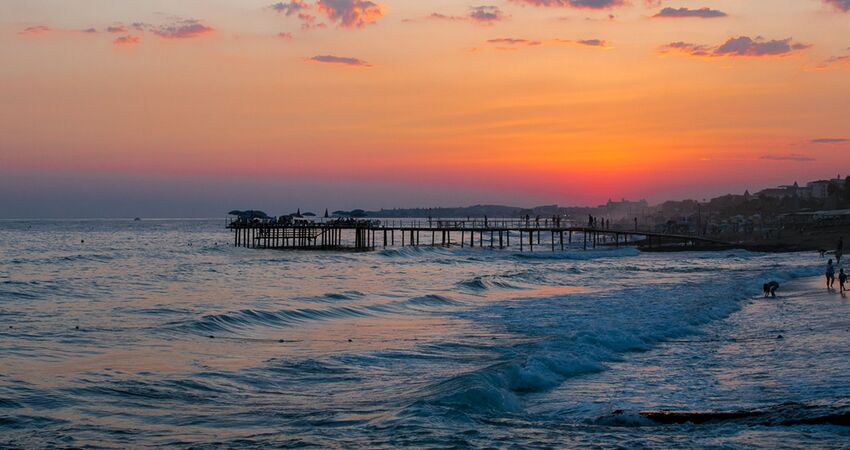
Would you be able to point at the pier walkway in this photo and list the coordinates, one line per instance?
(516, 234)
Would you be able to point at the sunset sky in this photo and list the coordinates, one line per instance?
(195, 107)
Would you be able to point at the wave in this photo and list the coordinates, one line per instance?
(484, 283)
(611, 324)
(237, 322)
(580, 255)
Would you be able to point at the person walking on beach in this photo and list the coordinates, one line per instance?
(839, 250)
(842, 278)
(770, 289)
(830, 274)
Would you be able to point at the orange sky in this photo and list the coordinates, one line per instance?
(559, 101)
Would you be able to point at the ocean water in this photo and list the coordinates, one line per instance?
(159, 333)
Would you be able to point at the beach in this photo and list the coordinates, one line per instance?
(120, 334)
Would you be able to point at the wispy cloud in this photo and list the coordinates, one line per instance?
(514, 41)
(841, 5)
(510, 43)
(742, 46)
(580, 4)
(127, 40)
(341, 60)
(285, 36)
(681, 13)
(182, 29)
(116, 29)
(829, 140)
(35, 30)
(789, 157)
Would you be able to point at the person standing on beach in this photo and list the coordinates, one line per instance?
(842, 278)
(830, 274)
(839, 250)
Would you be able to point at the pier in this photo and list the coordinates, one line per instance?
(515, 234)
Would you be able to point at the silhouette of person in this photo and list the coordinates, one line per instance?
(770, 288)
(830, 274)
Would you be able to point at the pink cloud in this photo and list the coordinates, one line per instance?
(351, 13)
(841, 5)
(128, 40)
(35, 30)
(579, 4)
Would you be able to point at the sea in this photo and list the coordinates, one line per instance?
(162, 334)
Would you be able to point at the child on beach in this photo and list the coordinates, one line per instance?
(830, 274)
(842, 278)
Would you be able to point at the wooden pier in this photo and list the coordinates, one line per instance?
(514, 234)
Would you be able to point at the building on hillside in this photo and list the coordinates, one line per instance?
(820, 189)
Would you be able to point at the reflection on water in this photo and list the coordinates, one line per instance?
(159, 333)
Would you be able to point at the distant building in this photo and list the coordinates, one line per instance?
(820, 189)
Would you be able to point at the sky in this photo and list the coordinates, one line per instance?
(192, 108)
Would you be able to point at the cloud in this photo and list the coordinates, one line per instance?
(841, 5)
(285, 36)
(346, 13)
(291, 7)
(790, 157)
(835, 61)
(592, 42)
(702, 13)
(486, 14)
(183, 29)
(829, 140)
(351, 13)
(514, 41)
(599, 43)
(742, 46)
(439, 16)
(89, 30)
(346, 61)
(127, 40)
(35, 30)
(581, 4)
(116, 29)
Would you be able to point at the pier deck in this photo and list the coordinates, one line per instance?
(516, 234)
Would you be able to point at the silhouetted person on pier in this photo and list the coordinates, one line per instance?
(537, 221)
(589, 221)
(635, 223)
(830, 274)
(770, 289)
(485, 221)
